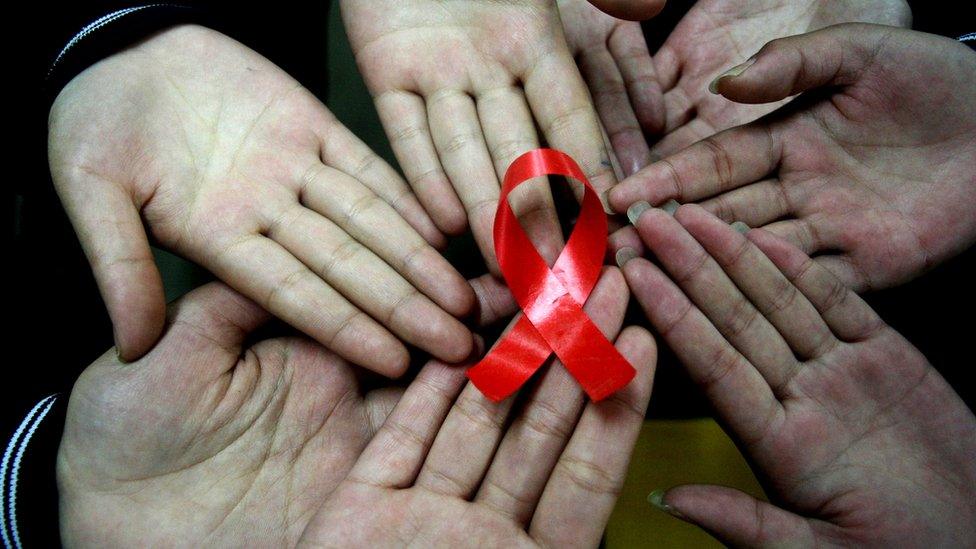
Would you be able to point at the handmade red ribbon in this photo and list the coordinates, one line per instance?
(552, 299)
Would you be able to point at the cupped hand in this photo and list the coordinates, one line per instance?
(202, 442)
(224, 159)
(613, 58)
(460, 88)
(858, 440)
(716, 34)
(873, 173)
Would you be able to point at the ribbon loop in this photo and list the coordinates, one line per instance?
(551, 299)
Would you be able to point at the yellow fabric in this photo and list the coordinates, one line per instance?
(669, 453)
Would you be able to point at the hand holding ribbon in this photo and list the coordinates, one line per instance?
(552, 299)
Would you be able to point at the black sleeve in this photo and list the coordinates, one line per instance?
(28, 487)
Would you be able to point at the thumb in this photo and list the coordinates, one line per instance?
(784, 67)
(735, 518)
(111, 233)
(630, 10)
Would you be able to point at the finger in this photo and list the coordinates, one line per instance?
(847, 314)
(667, 63)
(735, 388)
(630, 10)
(467, 441)
(738, 519)
(289, 290)
(810, 234)
(371, 221)
(755, 205)
(629, 48)
(704, 281)
(775, 297)
(613, 105)
(495, 300)
(531, 446)
(341, 149)
(835, 56)
(404, 117)
(563, 108)
(370, 284)
(688, 133)
(464, 155)
(626, 237)
(583, 487)
(395, 454)
(509, 132)
(115, 243)
(715, 165)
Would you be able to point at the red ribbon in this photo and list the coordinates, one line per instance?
(552, 299)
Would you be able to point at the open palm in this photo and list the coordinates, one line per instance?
(717, 34)
(857, 438)
(874, 175)
(226, 160)
(206, 442)
(460, 88)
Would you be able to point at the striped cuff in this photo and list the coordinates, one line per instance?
(969, 39)
(111, 33)
(10, 469)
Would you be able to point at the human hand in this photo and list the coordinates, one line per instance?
(201, 443)
(225, 159)
(717, 34)
(459, 88)
(613, 58)
(874, 174)
(858, 439)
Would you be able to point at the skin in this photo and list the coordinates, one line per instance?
(613, 58)
(713, 36)
(208, 443)
(211, 151)
(872, 171)
(858, 440)
(460, 88)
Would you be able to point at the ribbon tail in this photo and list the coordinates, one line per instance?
(516, 357)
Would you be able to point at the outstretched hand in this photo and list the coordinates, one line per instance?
(460, 88)
(872, 171)
(207, 442)
(716, 34)
(226, 160)
(858, 439)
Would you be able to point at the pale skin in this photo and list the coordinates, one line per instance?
(205, 443)
(872, 172)
(460, 88)
(858, 440)
(196, 143)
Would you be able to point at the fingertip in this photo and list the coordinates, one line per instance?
(453, 341)
(630, 10)
(138, 314)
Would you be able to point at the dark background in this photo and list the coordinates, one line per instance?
(57, 324)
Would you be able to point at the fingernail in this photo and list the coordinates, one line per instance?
(624, 255)
(605, 201)
(740, 227)
(656, 499)
(636, 209)
(671, 206)
(731, 73)
(118, 356)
